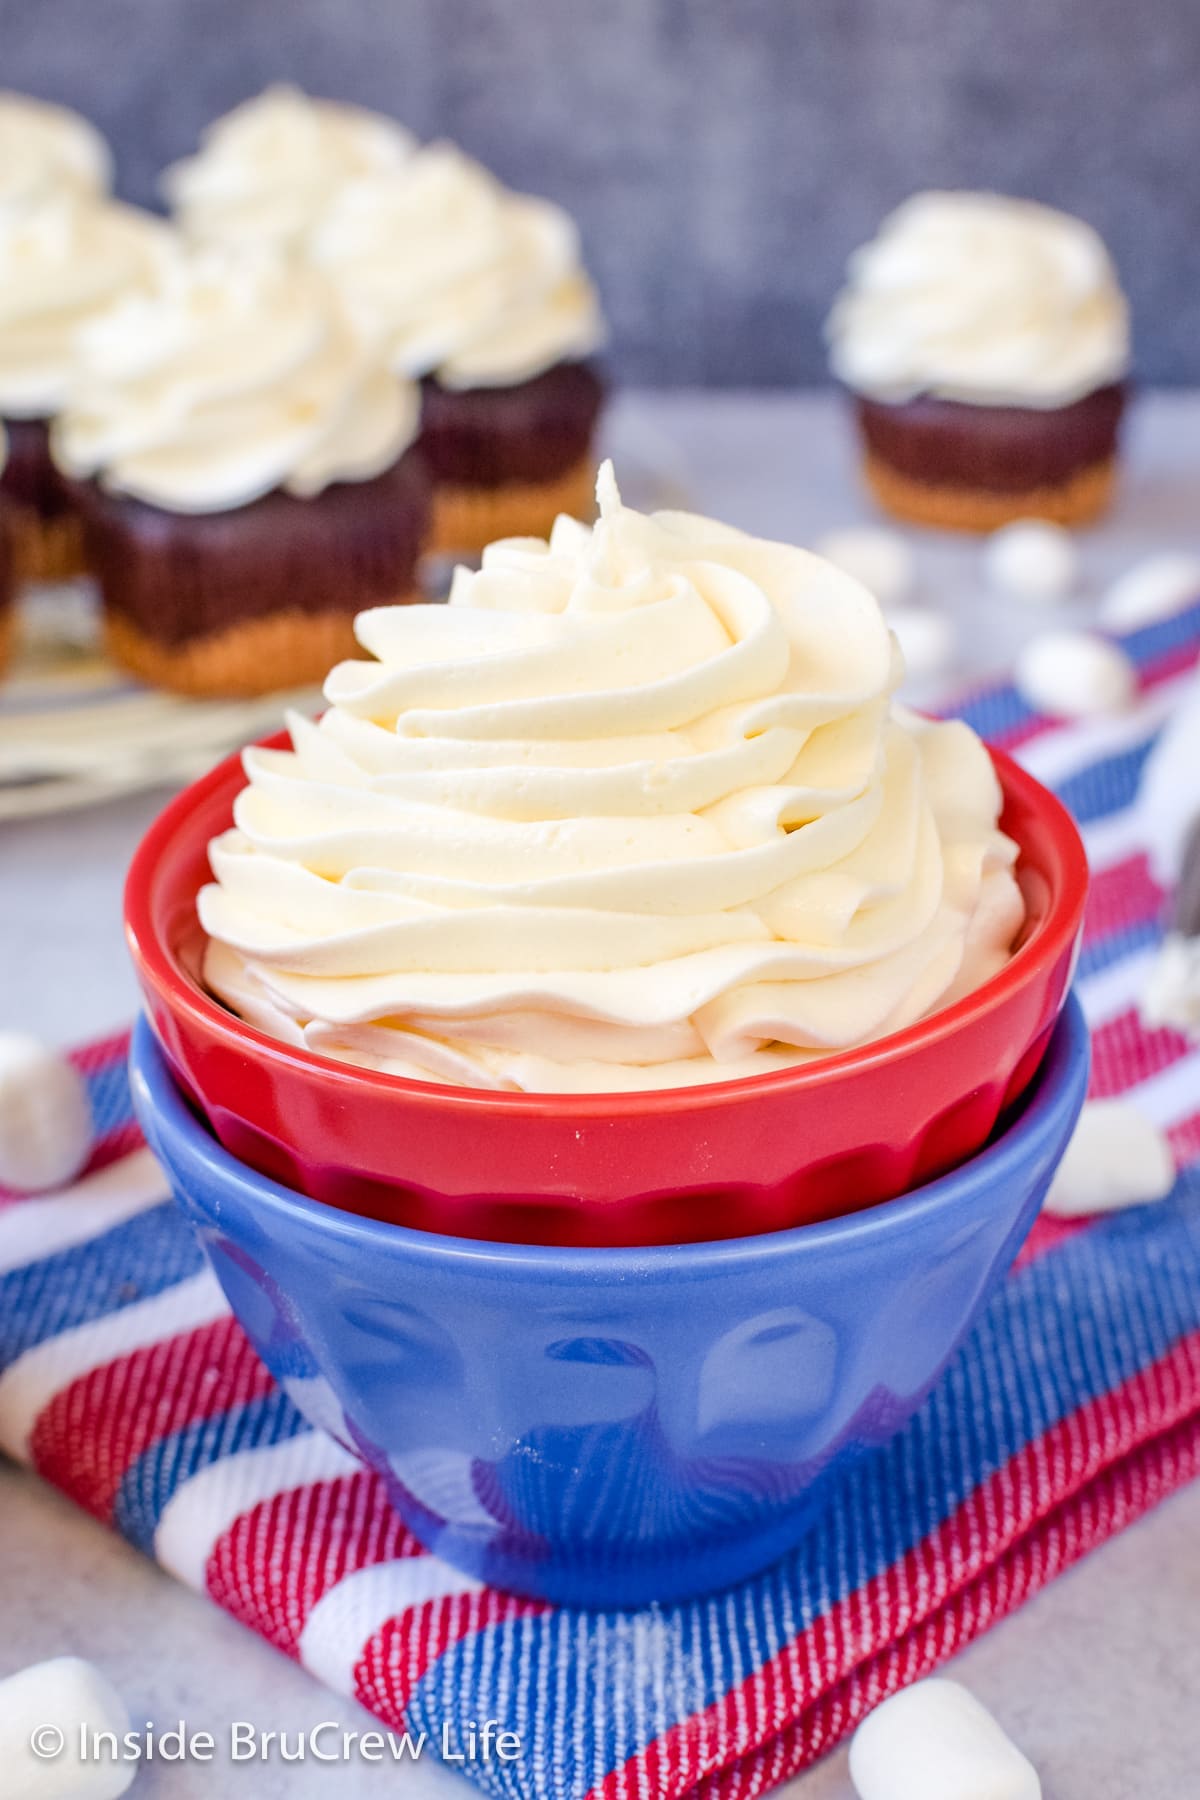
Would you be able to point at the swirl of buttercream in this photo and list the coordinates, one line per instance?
(62, 264)
(47, 151)
(634, 810)
(266, 172)
(232, 377)
(981, 299)
(456, 275)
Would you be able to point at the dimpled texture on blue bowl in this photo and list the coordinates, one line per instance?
(609, 1427)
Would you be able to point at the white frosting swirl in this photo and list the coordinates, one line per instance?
(634, 810)
(266, 172)
(453, 273)
(981, 299)
(62, 264)
(233, 377)
(47, 151)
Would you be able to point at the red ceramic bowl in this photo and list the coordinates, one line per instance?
(671, 1166)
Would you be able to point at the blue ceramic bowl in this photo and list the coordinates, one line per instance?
(608, 1427)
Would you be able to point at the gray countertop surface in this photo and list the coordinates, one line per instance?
(1098, 1678)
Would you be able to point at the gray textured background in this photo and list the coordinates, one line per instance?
(723, 156)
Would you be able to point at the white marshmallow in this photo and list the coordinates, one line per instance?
(1169, 792)
(45, 1117)
(882, 560)
(52, 1701)
(1118, 1157)
(928, 640)
(1153, 589)
(1031, 559)
(1171, 996)
(934, 1741)
(1074, 675)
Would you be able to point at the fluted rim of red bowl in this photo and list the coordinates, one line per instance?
(1051, 938)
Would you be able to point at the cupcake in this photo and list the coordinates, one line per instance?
(985, 341)
(635, 810)
(66, 253)
(477, 292)
(266, 173)
(243, 470)
(481, 294)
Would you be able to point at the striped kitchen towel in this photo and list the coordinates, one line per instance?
(1073, 1408)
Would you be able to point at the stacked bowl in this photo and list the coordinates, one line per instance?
(528, 1313)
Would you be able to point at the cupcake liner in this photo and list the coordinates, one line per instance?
(43, 527)
(289, 649)
(45, 548)
(1076, 500)
(465, 519)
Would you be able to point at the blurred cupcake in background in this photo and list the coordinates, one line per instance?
(481, 293)
(66, 253)
(243, 468)
(985, 341)
(266, 173)
(478, 292)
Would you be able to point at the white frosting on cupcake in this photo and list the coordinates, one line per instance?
(438, 262)
(47, 151)
(981, 299)
(64, 262)
(266, 172)
(232, 377)
(635, 810)
(454, 274)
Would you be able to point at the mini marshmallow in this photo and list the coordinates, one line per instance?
(1171, 996)
(1169, 793)
(880, 559)
(928, 640)
(934, 1741)
(1031, 559)
(1118, 1157)
(1074, 675)
(48, 1705)
(1156, 588)
(45, 1116)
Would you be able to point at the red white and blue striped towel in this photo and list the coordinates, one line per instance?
(1074, 1407)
